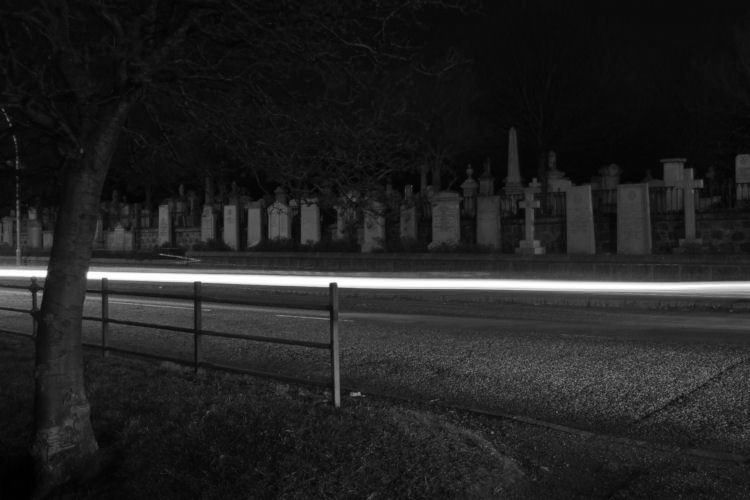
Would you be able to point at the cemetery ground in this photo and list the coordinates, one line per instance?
(610, 404)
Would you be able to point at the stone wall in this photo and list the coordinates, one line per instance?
(721, 232)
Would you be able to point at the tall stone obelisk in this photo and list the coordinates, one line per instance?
(513, 183)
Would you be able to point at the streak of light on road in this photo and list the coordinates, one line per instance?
(688, 288)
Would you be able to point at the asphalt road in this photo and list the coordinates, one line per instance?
(677, 378)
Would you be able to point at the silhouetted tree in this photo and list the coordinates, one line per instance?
(77, 69)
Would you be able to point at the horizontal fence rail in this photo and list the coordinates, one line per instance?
(198, 299)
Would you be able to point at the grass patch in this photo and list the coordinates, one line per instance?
(173, 434)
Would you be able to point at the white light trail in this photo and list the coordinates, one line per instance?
(689, 288)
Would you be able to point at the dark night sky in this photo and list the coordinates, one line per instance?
(652, 103)
(625, 84)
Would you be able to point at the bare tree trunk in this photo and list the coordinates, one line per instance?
(64, 446)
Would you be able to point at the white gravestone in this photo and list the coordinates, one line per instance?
(165, 226)
(279, 221)
(446, 228)
(488, 221)
(374, 228)
(231, 234)
(742, 176)
(633, 219)
(579, 220)
(688, 186)
(529, 245)
(256, 222)
(309, 222)
(208, 224)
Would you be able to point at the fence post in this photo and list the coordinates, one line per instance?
(335, 358)
(34, 289)
(105, 314)
(197, 324)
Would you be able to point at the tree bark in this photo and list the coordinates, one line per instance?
(64, 446)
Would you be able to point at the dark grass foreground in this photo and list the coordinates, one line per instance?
(167, 433)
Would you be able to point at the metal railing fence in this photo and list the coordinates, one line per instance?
(198, 299)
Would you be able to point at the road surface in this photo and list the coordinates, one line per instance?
(678, 378)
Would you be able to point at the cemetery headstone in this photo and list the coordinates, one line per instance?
(374, 228)
(742, 176)
(165, 234)
(633, 219)
(556, 179)
(309, 222)
(209, 223)
(446, 229)
(7, 234)
(256, 222)
(231, 234)
(488, 221)
(579, 220)
(279, 221)
(529, 245)
(688, 186)
(674, 170)
(118, 238)
(610, 176)
(469, 187)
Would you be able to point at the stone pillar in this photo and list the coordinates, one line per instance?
(513, 183)
(688, 185)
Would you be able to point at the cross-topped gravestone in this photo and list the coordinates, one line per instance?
(688, 185)
(529, 245)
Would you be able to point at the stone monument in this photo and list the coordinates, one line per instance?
(633, 219)
(165, 234)
(742, 176)
(231, 233)
(688, 186)
(529, 245)
(579, 220)
(309, 222)
(513, 183)
(256, 222)
(446, 213)
(279, 217)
